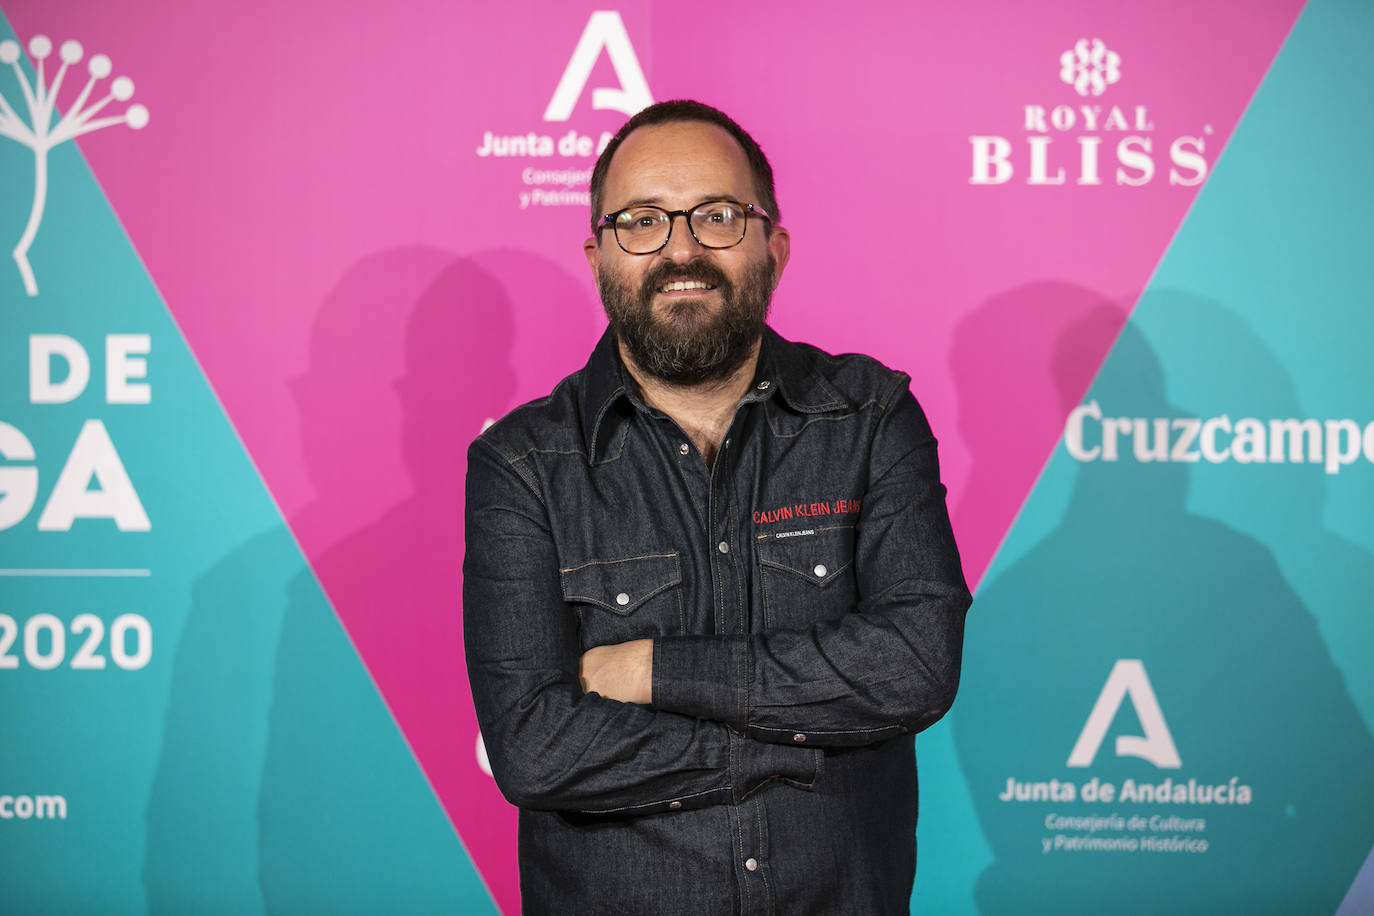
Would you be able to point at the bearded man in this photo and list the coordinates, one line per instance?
(710, 591)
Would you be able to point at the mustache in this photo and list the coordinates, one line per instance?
(668, 272)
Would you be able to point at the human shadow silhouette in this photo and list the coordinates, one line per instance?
(1245, 683)
(488, 326)
(201, 846)
(1282, 504)
(210, 844)
(1014, 332)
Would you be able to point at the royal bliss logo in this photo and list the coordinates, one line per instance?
(1088, 142)
(1089, 67)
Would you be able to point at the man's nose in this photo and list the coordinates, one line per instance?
(682, 246)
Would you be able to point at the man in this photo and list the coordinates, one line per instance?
(710, 590)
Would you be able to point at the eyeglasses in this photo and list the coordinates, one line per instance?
(714, 224)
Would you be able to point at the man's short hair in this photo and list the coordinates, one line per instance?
(677, 110)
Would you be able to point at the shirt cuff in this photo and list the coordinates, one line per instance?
(757, 762)
(702, 676)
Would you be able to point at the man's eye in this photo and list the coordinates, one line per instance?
(639, 220)
(719, 215)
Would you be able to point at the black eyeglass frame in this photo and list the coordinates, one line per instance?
(608, 220)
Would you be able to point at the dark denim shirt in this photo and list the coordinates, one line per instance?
(806, 603)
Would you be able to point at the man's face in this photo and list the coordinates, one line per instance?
(694, 335)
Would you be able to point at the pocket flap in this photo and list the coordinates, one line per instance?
(621, 586)
(818, 555)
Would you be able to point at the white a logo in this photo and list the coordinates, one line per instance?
(604, 31)
(1157, 746)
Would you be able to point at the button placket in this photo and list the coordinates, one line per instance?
(754, 850)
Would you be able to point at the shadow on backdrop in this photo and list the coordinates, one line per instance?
(1011, 429)
(202, 822)
(203, 827)
(282, 781)
(1245, 683)
(1282, 503)
(488, 329)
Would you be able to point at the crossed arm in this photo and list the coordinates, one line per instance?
(553, 746)
(684, 721)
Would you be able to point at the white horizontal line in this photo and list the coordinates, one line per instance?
(114, 573)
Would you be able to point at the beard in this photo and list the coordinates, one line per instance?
(689, 344)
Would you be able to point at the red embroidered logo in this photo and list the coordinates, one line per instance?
(805, 510)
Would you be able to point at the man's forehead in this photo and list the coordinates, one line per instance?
(676, 159)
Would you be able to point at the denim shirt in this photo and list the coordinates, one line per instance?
(806, 603)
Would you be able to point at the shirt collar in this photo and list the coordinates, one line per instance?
(785, 370)
(791, 369)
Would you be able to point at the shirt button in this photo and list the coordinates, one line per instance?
(622, 599)
(820, 571)
(674, 805)
(683, 449)
(723, 547)
(751, 863)
(763, 385)
(799, 738)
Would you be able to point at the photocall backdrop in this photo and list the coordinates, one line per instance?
(274, 266)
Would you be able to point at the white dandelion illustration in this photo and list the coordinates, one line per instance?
(41, 135)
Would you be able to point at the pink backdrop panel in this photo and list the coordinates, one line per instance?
(364, 289)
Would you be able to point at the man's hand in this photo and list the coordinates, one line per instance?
(623, 671)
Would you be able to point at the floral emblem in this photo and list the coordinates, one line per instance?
(40, 134)
(1089, 67)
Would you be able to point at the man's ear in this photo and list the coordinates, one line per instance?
(780, 246)
(592, 250)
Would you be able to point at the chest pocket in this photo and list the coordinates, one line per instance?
(808, 577)
(630, 598)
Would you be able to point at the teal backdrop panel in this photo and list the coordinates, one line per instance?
(186, 724)
(1167, 702)
(1167, 698)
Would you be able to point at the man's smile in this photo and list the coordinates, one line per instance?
(685, 287)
